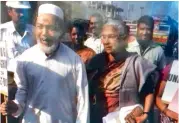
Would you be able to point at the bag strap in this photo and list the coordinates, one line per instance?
(129, 61)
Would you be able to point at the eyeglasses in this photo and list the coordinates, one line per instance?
(104, 37)
(113, 37)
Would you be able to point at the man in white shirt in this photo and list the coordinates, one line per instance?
(17, 33)
(51, 78)
(94, 41)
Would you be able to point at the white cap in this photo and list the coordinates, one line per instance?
(18, 4)
(51, 9)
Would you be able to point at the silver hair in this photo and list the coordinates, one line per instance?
(99, 16)
(118, 25)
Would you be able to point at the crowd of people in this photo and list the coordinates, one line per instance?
(87, 75)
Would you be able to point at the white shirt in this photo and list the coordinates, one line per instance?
(16, 44)
(52, 89)
(94, 44)
(133, 47)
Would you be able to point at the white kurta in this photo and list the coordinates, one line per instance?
(51, 86)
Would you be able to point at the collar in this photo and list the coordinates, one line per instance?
(151, 46)
(13, 29)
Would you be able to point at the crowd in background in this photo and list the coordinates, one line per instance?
(100, 72)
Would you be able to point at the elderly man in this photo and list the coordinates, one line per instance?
(121, 79)
(95, 25)
(51, 78)
(17, 33)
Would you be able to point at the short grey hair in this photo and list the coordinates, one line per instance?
(118, 25)
(98, 16)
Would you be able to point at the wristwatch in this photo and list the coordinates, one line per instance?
(146, 113)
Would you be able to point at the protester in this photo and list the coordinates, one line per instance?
(18, 36)
(151, 51)
(118, 78)
(17, 33)
(51, 78)
(167, 115)
(148, 49)
(94, 41)
(76, 43)
(73, 31)
(132, 44)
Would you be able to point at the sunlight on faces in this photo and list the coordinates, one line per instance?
(110, 39)
(47, 32)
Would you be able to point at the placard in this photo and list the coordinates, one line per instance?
(174, 103)
(172, 83)
(3, 69)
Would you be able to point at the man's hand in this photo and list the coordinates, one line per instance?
(8, 107)
(141, 119)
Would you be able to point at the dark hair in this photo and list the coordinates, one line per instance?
(70, 26)
(148, 20)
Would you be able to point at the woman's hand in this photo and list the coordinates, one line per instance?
(141, 119)
(171, 114)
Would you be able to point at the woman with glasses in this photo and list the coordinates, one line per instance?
(117, 77)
